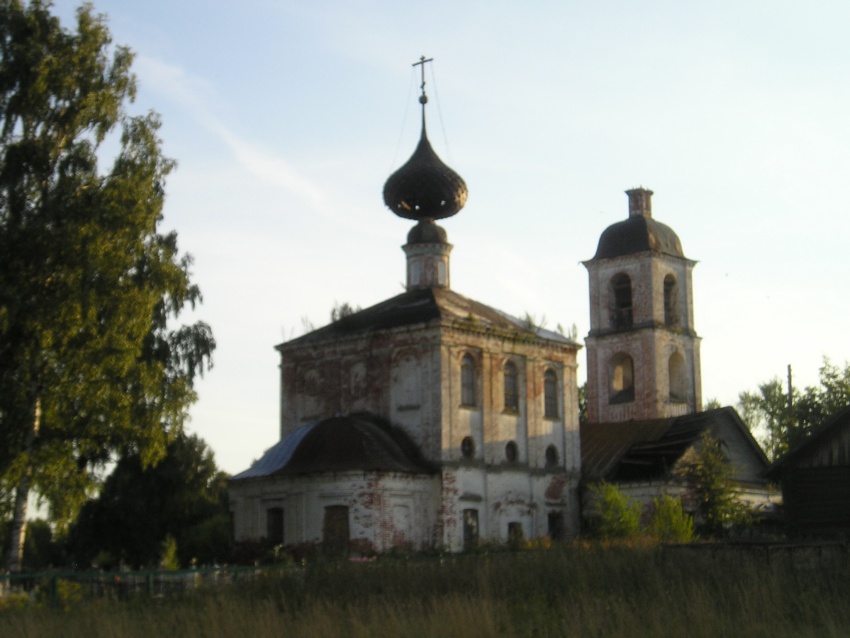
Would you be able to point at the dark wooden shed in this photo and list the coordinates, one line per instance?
(815, 479)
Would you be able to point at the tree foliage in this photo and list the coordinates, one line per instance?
(786, 420)
(619, 516)
(89, 364)
(712, 494)
(180, 501)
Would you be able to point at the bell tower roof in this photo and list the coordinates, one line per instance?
(639, 233)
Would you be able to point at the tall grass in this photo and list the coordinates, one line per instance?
(569, 591)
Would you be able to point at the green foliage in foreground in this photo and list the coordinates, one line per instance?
(567, 591)
(623, 518)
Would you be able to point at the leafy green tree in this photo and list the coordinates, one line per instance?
(183, 498)
(711, 491)
(787, 419)
(619, 516)
(89, 363)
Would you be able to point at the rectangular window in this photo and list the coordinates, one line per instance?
(467, 381)
(550, 395)
(274, 525)
(511, 388)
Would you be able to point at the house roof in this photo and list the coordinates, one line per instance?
(647, 450)
(340, 444)
(818, 437)
(426, 305)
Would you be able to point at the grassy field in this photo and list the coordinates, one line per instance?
(566, 591)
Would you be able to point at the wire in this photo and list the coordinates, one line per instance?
(440, 114)
(403, 120)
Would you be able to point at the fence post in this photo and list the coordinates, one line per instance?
(149, 583)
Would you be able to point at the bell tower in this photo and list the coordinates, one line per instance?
(642, 351)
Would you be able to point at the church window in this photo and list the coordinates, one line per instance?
(551, 456)
(677, 378)
(621, 379)
(511, 388)
(274, 525)
(550, 394)
(511, 452)
(621, 302)
(470, 529)
(335, 531)
(671, 301)
(467, 447)
(467, 380)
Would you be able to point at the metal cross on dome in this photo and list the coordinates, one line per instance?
(422, 62)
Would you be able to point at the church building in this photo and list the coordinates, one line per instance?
(429, 420)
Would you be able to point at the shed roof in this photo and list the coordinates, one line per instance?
(832, 426)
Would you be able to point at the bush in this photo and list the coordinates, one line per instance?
(619, 516)
(669, 523)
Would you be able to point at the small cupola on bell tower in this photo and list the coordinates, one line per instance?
(425, 189)
(640, 202)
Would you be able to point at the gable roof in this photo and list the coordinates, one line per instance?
(425, 305)
(647, 450)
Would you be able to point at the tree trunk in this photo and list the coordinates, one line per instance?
(18, 530)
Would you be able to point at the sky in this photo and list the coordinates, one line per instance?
(286, 117)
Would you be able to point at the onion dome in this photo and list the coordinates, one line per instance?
(639, 233)
(425, 188)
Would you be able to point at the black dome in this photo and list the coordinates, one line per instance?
(427, 232)
(638, 234)
(425, 188)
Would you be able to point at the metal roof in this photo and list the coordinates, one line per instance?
(638, 234)
(339, 444)
(425, 305)
(648, 449)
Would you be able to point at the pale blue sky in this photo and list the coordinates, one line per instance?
(287, 117)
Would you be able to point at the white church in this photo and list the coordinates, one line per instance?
(431, 420)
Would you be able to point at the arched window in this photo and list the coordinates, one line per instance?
(511, 452)
(467, 380)
(677, 378)
(621, 379)
(511, 388)
(551, 456)
(467, 447)
(621, 302)
(671, 301)
(550, 394)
